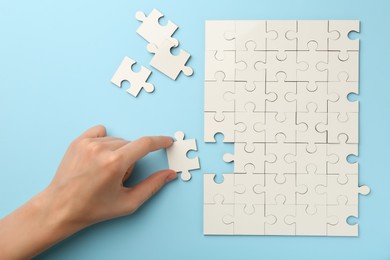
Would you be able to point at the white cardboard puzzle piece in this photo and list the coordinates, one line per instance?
(168, 63)
(137, 80)
(152, 31)
(177, 156)
(279, 91)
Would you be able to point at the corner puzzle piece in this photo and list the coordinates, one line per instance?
(137, 80)
(152, 31)
(177, 156)
(227, 189)
(213, 214)
(167, 63)
(342, 42)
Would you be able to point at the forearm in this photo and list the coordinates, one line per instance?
(32, 228)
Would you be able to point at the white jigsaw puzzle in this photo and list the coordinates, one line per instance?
(177, 156)
(137, 80)
(279, 91)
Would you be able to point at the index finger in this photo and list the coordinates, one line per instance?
(137, 149)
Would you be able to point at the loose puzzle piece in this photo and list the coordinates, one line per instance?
(152, 31)
(281, 91)
(177, 156)
(169, 64)
(137, 80)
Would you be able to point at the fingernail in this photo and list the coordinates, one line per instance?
(172, 176)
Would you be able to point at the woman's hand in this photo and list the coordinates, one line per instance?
(87, 188)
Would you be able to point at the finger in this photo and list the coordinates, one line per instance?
(140, 193)
(96, 131)
(137, 149)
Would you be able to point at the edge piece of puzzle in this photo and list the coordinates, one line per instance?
(177, 156)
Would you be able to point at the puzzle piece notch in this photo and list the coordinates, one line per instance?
(167, 63)
(342, 42)
(152, 31)
(137, 80)
(177, 156)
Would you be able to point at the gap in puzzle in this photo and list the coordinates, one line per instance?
(279, 91)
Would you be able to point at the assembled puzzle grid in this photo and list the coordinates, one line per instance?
(279, 90)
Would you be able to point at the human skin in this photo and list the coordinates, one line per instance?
(87, 189)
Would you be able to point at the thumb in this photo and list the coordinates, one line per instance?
(141, 192)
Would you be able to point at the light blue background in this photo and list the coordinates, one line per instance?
(56, 62)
